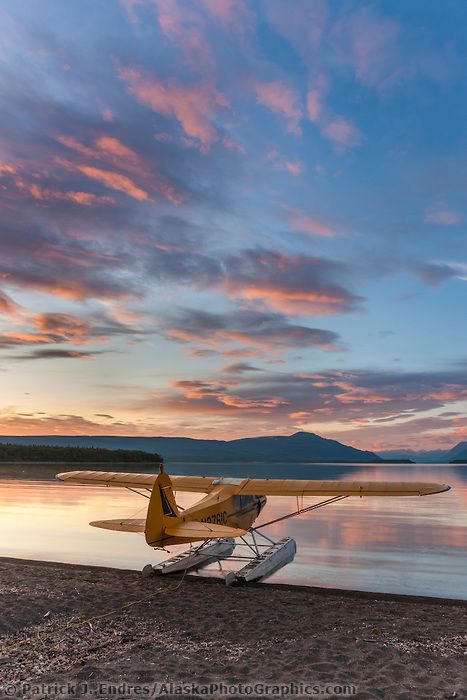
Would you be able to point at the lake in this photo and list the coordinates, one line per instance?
(406, 545)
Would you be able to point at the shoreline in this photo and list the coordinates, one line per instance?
(316, 590)
(65, 623)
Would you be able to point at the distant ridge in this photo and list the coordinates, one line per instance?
(458, 452)
(299, 447)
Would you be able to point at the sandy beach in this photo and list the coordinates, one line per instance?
(185, 630)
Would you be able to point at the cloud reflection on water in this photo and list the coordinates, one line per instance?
(400, 545)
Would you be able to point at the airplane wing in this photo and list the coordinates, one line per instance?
(301, 487)
(259, 487)
(197, 484)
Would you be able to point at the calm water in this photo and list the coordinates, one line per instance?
(396, 545)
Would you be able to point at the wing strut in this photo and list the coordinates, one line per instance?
(334, 499)
(138, 492)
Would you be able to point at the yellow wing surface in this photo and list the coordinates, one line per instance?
(197, 484)
(259, 487)
(190, 530)
(127, 525)
(194, 529)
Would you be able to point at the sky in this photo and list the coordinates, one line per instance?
(227, 218)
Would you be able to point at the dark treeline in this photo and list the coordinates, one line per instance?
(49, 453)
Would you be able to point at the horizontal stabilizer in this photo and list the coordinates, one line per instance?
(194, 529)
(129, 525)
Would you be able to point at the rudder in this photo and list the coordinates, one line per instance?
(162, 510)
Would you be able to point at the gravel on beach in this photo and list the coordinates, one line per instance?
(109, 632)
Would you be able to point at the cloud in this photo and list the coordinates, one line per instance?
(43, 194)
(214, 394)
(252, 330)
(298, 284)
(314, 105)
(292, 166)
(108, 178)
(443, 217)
(131, 8)
(112, 151)
(193, 106)
(7, 169)
(59, 328)
(17, 423)
(342, 132)
(369, 43)
(57, 354)
(34, 259)
(11, 340)
(231, 14)
(186, 28)
(434, 273)
(300, 221)
(240, 367)
(358, 406)
(7, 305)
(282, 100)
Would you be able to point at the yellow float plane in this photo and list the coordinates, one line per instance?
(227, 511)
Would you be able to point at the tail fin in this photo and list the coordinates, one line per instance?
(162, 510)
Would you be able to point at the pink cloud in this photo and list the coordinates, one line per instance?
(208, 394)
(185, 27)
(444, 217)
(230, 13)
(280, 99)
(232, 144)
(314, 105)
(110, 179)
(6, 169)
(75, 145)
(112, 150)
(257, 333)
(369, 43)
(131, 8)
(104, 147)
(337, 129)
(292, 166)
(342, 132)
(193, 106)
(114, 147)
(63, 327)
(52, 195)
(7, 305)
(310, 224)
(297, 284)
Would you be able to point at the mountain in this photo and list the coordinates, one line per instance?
(459, 452)
(421, 456)
(428, 456)
(300, 447)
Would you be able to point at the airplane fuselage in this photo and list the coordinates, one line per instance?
(221, 508)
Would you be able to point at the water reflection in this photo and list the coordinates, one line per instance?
(400, 545)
